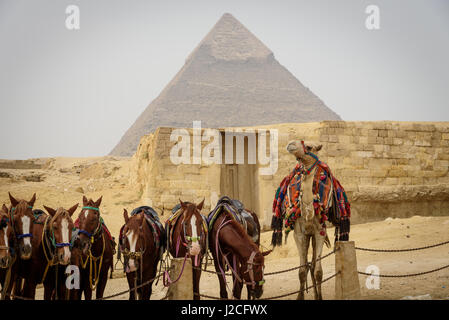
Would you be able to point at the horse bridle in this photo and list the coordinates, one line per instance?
(189, 239)
(52, 237)
(250, 263)
(91, 236)
(23, 235)
(3, 223)
(137, 254)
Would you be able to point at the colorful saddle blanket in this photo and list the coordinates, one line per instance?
(330, 201)
(226, 204)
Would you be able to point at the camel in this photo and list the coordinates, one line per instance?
(308, 197)
(308, 226)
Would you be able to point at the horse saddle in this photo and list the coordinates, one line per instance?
(239, 213)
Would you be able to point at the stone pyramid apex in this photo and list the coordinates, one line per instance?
(231, 79)
(229, 40)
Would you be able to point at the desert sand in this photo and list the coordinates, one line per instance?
(63, 182)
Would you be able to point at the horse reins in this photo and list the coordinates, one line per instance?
(50, 256)
(166, 277)
(90, 258)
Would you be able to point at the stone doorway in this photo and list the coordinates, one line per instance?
(238, 181)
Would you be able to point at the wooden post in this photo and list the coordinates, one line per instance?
(183, 288)
(347, 286)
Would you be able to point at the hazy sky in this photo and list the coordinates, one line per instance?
(75, 93)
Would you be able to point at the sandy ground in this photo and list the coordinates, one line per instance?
(63, 179)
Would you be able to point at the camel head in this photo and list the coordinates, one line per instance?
(299, 149)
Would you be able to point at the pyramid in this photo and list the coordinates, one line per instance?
(231, 79)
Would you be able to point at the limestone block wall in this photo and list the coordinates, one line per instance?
(163, 183)
(389, 169)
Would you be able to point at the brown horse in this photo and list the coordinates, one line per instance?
(6, 250)
(92, 251)
(189, 238)
(51, 254)
(141, 253)
(231, 247)
(22, 221)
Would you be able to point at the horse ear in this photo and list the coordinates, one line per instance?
(125, 215)
(143, 219)
(183, 205)
(50, 210)
(98, 202)
(200, 206)
(5, 208)
(14, 202)
(266, 253)
(84, 201)
(33, 199)
(318, 148)
(73, 209)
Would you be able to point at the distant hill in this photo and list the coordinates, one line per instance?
(230, 79)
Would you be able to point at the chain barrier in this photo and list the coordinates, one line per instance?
(283, 271)
(274, 272)
(275, 297)
(403, 275)
(402, 250)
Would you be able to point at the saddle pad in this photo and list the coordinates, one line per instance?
(213, 215)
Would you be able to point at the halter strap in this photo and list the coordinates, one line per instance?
(14, 208)
(87, 233)
(312, 155)
(91, 208)
(97, 229)
(24, 235)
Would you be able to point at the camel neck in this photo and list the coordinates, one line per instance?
(307, 161)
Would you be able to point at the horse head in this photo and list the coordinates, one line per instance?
(133, 241)
(6, 237)
(89, 223)
(59, 230)
(253, 273)
(195, 235)
(23, 221)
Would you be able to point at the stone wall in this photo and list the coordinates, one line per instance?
(389, 169)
